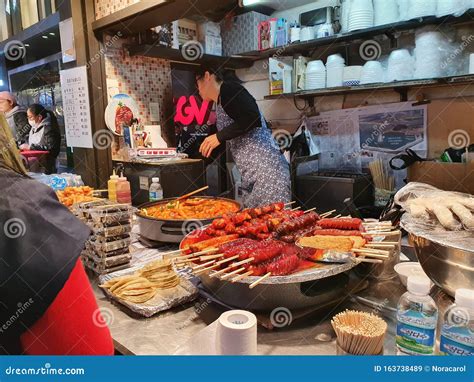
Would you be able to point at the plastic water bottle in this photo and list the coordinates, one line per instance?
(155, 191)
(457, 330)
(417, 316)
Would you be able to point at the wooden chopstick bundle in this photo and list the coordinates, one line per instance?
(359, 333)
(380, 175)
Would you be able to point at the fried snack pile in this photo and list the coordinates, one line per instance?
(73, 195)
(161, 274)
(144, 284)
(131, 288)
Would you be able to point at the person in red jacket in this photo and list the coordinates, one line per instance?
(47, 306)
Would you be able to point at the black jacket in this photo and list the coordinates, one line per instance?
(19, 126)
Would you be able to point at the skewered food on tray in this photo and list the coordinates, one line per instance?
(190, 208)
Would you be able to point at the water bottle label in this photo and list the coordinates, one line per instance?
(414, 339)
(153, 196)
(456, 340)
(450, 347)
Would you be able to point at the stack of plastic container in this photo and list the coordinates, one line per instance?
(107, 250)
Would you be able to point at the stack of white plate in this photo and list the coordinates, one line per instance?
(361, 15)
(352, 75)
(334, 70)
(421, 8)
(400, 66)
(430, 57)
(385, 12)
(372, 73)
(452, 7)
(315, 77)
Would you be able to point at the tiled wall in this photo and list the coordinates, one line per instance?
(106, 7)
(144, 79)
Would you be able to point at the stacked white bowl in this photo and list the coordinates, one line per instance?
(352, 75)
(372, 73)
(345, 9)
(385, 12)
(315, 77)
(451, 7)
(400, 66)
(403, 9)
(361, 15)
(421, 8)
(430, 58)
(334, 70)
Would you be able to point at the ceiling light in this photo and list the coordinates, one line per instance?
(44, 36)
(52, 34)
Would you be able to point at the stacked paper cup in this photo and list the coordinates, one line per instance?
(385, 12)
(400, 66)
(430, 58)
(452, 7)
(421, 8)
(372, 73)
(334, 70)
(361, 15)
(352, 75)
(315, 75)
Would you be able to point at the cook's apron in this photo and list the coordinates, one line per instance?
(264, 170)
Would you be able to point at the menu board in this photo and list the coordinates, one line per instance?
(77, 118)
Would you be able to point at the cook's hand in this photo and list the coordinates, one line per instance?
(25, 146)
(208, 145)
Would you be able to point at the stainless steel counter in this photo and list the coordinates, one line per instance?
(164, 333)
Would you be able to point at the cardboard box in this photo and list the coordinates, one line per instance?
(445, 176)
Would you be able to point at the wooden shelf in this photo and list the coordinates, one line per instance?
(144, 15)
(176, 55)
(389, 29)
(400, 87)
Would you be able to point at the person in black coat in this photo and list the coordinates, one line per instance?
(16, 117)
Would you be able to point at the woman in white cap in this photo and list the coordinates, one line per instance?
(16, 117)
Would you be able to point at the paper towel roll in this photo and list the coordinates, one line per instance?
(236, 333)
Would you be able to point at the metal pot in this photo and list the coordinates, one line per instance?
(167, 230)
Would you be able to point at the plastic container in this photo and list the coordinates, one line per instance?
(456, 336)
(155, 191)
(124, 193)
(112, 187)
(417, 316)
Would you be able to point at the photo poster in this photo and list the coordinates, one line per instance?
(350, 139)
(194, 119)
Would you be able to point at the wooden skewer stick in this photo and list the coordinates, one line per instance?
(289, 204)
(204, 265)
(311, 209)
(375, 255)
(196, 253)
(337, 216)
(211, 257)
(374, 233)
(233, 265)
(326, 214)
(372, 250)
(227, 260)
(254, 284)
(192, 193)
(205, 269)
(379, 245)
(227, 275)
(186, 261)
(296, 209)
(242, 276)
(364, 260)
(377, 222)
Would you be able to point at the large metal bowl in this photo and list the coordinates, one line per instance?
(448, 267)
(310, 288)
